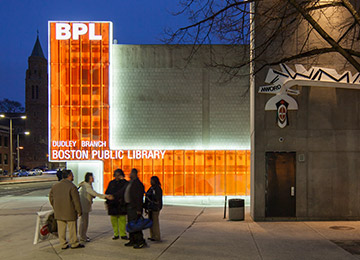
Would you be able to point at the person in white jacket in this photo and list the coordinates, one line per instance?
(87, 194)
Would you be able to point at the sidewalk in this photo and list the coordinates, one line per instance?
(187, 233)
(29, 179)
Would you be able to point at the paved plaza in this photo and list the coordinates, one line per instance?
(187, 232)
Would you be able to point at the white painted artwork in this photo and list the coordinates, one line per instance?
(281, 83)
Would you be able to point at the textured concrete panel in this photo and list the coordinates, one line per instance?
(321, 165)
(159, 101)
(332, 188)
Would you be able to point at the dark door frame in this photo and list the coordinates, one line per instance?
(273, 192)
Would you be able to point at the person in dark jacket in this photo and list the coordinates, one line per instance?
(116, 207)
(153, 205)
(134, 195)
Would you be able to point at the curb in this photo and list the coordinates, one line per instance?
(24, 181)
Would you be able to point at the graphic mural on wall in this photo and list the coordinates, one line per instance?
(281, 83)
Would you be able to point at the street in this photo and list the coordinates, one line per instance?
(19, 189)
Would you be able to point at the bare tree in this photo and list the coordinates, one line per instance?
(316, 27)
(10, 106)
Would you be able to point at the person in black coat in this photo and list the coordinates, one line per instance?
(153, 205)
(116, 207)
(134, 195)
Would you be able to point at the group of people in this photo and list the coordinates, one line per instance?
(123, 198)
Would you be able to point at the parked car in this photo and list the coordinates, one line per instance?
(15, 174)
(43, 168)
(35, 172)
(21, 173)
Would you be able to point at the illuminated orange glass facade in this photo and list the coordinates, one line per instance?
(79, 88)
(191, 172)
(79, 111)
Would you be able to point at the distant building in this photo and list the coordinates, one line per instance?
(18, 128)
(36, 109)
(4, 149)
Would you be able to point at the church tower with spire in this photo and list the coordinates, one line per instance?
(36, 107)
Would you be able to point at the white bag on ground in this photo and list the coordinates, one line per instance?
(41, 229)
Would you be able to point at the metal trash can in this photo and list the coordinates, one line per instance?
(236, 209)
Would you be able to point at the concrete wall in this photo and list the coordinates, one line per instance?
(161, 100)
(325, 130)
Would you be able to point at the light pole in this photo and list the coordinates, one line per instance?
(18, 147)
(11, 139)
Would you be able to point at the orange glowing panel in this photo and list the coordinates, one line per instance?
(209, 172)
(220, 187)
(158, 169)
(199, 173)
(148, 172)
(189, 163)
(168, 186)
(179, 173)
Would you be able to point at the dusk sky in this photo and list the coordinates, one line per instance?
(135, 22)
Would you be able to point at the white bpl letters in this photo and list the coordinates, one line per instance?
(92, 35)
(63, 31)
(79, 29)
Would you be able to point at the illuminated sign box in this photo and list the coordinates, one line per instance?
(79, 65)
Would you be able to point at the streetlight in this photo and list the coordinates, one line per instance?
(18, 148)
(11, 139)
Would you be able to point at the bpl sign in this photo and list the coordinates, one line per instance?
(63, 31)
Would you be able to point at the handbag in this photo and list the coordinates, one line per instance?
(139, 224)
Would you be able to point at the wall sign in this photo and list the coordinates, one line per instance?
(281, 81)
(282, 115)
